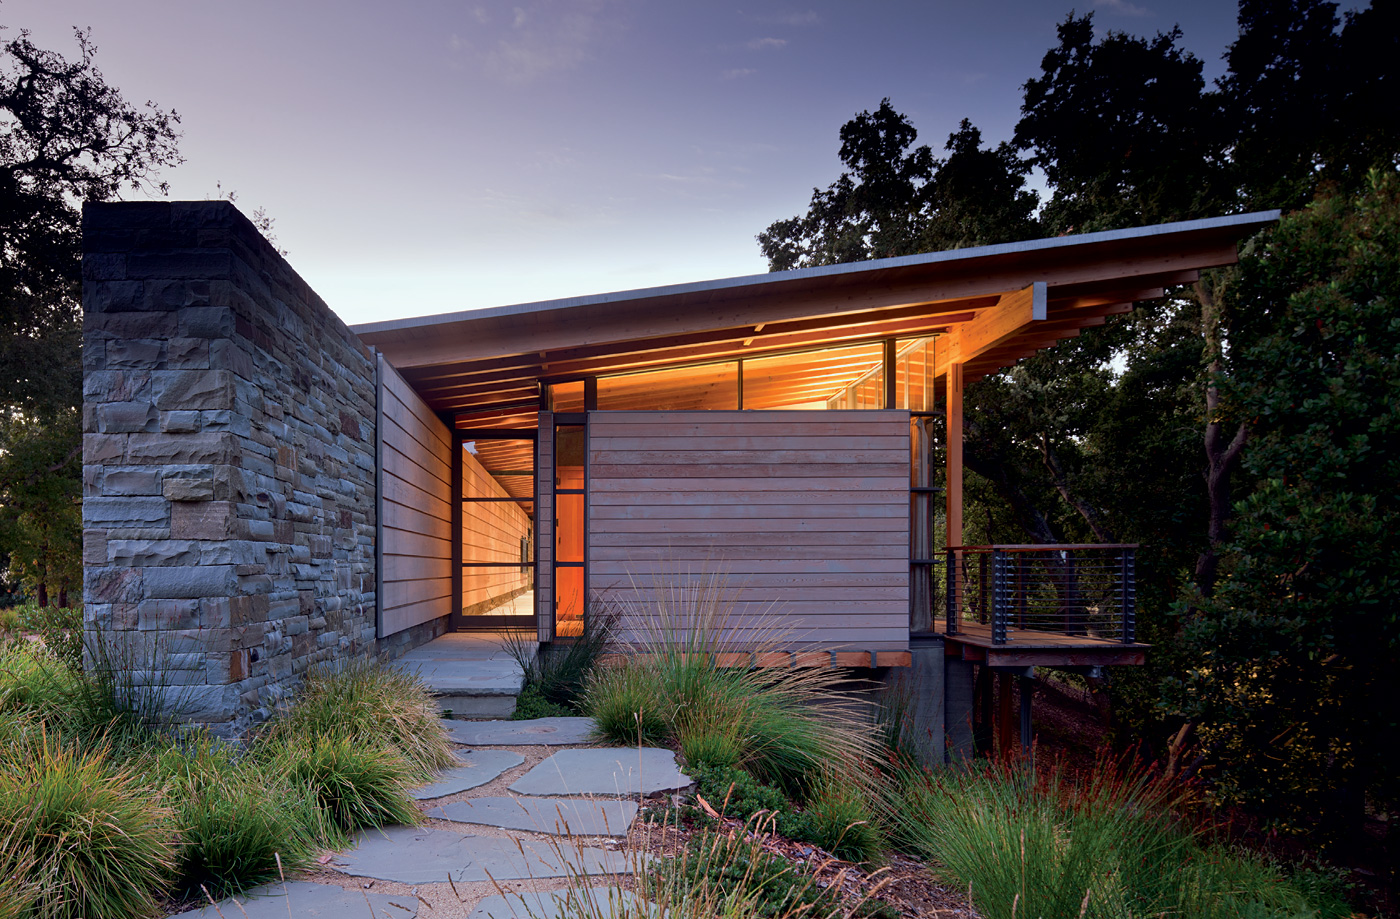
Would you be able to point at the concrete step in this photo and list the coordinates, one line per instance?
(471, 673)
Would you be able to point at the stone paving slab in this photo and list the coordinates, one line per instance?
(616, 771)
(560, 816)
(540, 731)
(600, 902)
(479, 677)
(304, 899)
(478, 767)
(411, 855)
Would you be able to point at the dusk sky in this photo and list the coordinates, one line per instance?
(424, 157)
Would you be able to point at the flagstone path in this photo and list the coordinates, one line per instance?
(503, 833)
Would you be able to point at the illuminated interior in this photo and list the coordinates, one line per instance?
(840, 377)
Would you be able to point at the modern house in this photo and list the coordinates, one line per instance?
(266, 488)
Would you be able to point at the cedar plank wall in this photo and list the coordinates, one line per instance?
(416, 502)
(805, 512)
(491, 532)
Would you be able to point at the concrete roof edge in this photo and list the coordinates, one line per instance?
(1254, 219)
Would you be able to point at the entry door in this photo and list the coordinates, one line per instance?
(496, 529)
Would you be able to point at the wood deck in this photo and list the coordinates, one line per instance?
(1030, 648)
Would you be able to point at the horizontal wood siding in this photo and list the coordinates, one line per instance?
(805, 515)
(415, 502)
(491, 532)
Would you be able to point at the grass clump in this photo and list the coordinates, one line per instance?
(235, 816)
(1031, 843)
(373, 704)
(93, 840)
(557, 674)
(351, 784)
(782, 725)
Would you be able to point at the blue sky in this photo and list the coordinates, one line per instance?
(421, 157)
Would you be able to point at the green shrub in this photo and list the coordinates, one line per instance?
(236, 817)
(95, 840)
(734, 793)
(60, 628)
(374, 705)
(531, 704)
(352, 784)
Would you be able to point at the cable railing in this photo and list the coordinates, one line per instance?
(1042, 593)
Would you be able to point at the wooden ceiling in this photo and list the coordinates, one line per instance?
(491, 363)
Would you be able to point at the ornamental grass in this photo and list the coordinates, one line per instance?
(783, 725)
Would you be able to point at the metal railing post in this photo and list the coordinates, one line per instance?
(1001, 589)
(1129, 576)
(952, 587)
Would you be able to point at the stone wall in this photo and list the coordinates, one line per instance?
(228, 461)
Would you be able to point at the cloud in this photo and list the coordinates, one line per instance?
(738, 73)
(795, 18)
(524, 41)
(758, 44)
(1124, 8)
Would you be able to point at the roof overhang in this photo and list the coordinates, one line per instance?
(1011, 300)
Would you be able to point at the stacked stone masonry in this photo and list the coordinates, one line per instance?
(228, 462)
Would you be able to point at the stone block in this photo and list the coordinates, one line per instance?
(196, 264)
(239, 552)
(163, 449)
(226, 420)
(187, 354)
(134, 353)
(125, 417)
(112, 585)
(206, 704)
(165, 615)
(206, 322)
(94, 547)
(111, 296)
(104, 266)
(135, 511)
(103, 448)
(131, 481)
(197, 486)
(179, 422)
(226, 354)
(201, 519)
(189, 390)
(143, 553)
(190, 583)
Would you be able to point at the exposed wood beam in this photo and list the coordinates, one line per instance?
(1013, 313)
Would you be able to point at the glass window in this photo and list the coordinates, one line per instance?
(704, 386)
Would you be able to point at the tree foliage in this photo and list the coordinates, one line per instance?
(66, 136)
(1294, 682)
(1148, 429)
(894, 200)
